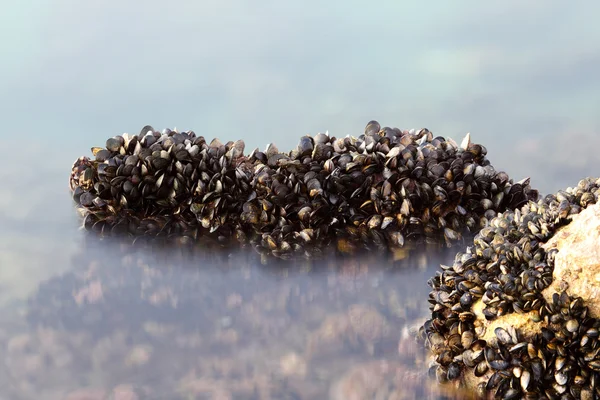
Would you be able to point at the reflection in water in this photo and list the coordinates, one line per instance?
(168, 323)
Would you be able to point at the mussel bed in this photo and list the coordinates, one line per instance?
(382, 190)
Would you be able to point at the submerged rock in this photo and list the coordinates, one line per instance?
(576, 268)
(577, 263)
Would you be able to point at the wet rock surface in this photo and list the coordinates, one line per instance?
(577, 263)
(575, 270)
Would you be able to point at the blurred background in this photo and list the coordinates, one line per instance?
(520, 76)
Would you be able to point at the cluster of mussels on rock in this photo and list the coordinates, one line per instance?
(507, 268)
(379, 190)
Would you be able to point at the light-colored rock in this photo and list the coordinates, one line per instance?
(577, 263)
(576, 269)
(523, 323)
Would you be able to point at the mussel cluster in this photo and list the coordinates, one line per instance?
(506, 269)
(378, 190)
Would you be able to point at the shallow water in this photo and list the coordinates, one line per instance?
(81, 314)
(180, 324)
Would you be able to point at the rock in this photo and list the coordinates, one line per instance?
(577, 263)
(576, 271)
(524, 323)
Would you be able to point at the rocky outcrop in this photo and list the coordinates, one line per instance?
(516, 315)
(576, 273)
